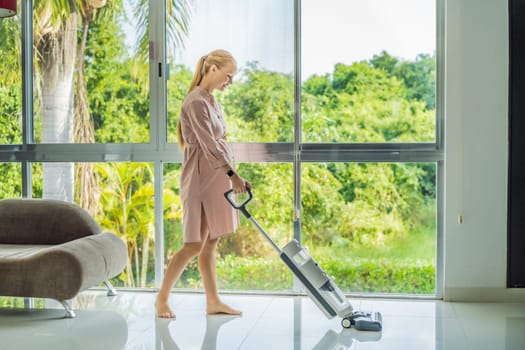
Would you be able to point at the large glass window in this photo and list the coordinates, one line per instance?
(372, 226)
(346, 161)
(368, 71)
(91, 72)
(259, 34)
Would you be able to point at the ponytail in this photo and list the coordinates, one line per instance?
(200, 71)
(179, 136)
(218, 58)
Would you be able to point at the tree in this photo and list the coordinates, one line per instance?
(385, 61)
(55, 38)
(419, 76)
(420, 79)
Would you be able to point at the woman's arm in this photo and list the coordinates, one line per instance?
(239, 185)
(200, 122)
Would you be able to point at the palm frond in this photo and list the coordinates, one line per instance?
(10, 51)
(178, 24)
(178, 17)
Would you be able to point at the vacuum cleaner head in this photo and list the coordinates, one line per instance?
(363, 321)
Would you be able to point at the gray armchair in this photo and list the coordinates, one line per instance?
(54, 249)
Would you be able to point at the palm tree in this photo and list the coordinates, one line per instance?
(127, 195)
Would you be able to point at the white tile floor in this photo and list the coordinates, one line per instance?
(127, 321)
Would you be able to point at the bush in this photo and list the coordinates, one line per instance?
(351, 275)
(245, 273)
(382, 275)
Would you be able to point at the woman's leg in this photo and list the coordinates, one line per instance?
(207, 263)
(175, 267)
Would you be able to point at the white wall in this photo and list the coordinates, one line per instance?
(476, 102)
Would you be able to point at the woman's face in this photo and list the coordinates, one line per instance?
(224, 76)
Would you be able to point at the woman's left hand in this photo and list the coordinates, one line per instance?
(239, 185)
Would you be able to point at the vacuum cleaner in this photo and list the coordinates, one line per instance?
(320, 287)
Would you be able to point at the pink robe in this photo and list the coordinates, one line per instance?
(202, 182)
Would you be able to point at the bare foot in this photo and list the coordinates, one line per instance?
(221, 308)
(164, 310)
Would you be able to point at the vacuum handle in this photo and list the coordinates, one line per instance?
(242, 207)
(239, 206)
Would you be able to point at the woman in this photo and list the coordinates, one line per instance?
(208, 171)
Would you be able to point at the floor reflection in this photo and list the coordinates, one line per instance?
(345, 338)
(47, 328)
(127, 322)
(514, 333)
(213, 325)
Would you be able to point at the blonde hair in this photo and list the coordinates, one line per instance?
(219, 58)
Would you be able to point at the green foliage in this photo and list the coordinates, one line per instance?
(351, 275)
(10, 133)
(264, 273)
(378, 101)
(10, 54)
(260, 108)
(118, 100)
(324, 211)
(128, 210)
(273, 188)
(37, 174)
(11, 175)
(385, 275)
(361, 78)
(10, 114)
(385, 62)
(361, 201)
(419, 77)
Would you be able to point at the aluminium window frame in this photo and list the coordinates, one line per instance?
(159, 151)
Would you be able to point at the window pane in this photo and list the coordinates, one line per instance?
(91, 74)
(259, 105)
(245, 259)
(372, 225)
(11, 82)
(11, 175)
(120, 196)
(368, 70)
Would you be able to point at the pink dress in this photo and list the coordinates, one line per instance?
(202, 182)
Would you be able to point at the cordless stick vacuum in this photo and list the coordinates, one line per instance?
(317, 284)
